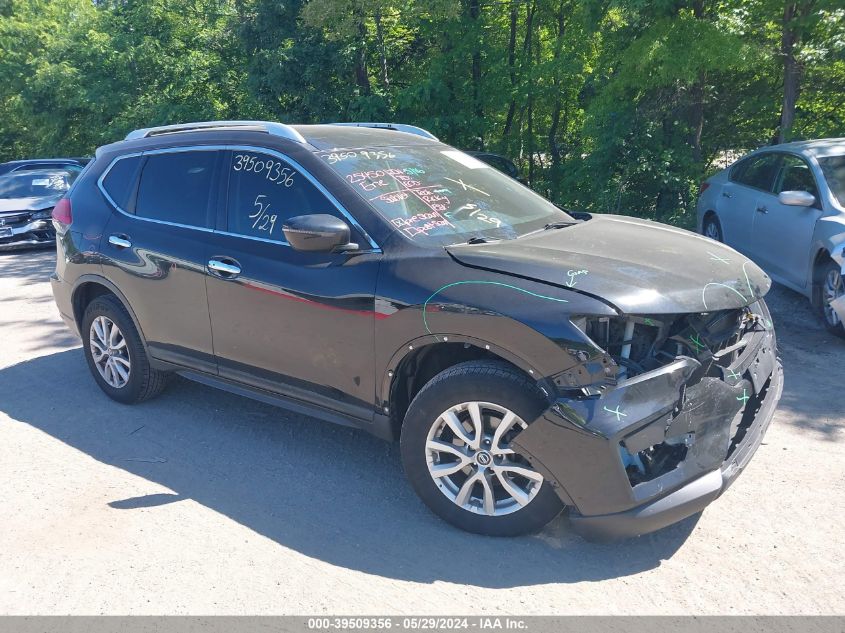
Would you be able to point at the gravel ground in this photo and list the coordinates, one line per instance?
(202, 502)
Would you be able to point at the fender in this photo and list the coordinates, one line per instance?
(834, 245)
(99, 279)
(415, 344)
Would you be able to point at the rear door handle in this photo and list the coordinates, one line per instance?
(120, 241)
(725, 194)
(226, 269)
(762, 210)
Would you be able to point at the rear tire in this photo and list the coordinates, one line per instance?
(712, 228)
(831, 286)
(116, 355)
(487, 488)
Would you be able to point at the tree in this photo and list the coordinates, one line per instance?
(606, 105)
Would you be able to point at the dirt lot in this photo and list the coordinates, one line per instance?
(201, 502)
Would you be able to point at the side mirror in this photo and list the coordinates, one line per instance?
(797, 198)
(318, 233)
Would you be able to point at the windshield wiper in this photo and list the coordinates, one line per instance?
(560, 224)
(477, 239)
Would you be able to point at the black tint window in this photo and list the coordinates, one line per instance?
(759, 172)
(795, 175)
(264, 191)
(737, 169)
(175, 187)
(119, 183)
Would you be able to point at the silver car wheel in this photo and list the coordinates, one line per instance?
(833, 289)
(109, 351)
(470, 459)
(712, 231)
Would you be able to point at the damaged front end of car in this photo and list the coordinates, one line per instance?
(659, 418)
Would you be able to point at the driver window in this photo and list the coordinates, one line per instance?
(795, 175)
(265, 191)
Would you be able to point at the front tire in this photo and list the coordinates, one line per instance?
(832, 287)
(456, 450)
(116, 355)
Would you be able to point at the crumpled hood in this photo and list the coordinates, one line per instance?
(638, 266)
(28, 204)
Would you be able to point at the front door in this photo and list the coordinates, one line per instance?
(296, 323)
(783, 233)
(750, 182)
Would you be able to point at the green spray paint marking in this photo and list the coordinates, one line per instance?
(744, 397)
(714, 283)
(617, 412)
(747, 280)
(484, 283)
(733, 375)
(649, 322)
(697, 342)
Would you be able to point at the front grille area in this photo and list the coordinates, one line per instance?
(15, 219)
(640, 344)
(19, 219)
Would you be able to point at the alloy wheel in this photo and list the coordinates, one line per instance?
(470, 459)
(109, 351)
(833, 289)
(712, 231)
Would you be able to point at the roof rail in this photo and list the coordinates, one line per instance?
(270, 127)
(399, 127)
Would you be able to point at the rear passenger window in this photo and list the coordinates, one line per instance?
(119, 182)
(758, 172)
(176, 186)
(265, 191)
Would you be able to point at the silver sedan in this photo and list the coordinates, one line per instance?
(784, 207)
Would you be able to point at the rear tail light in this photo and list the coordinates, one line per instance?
(703, 187)
(62, 212)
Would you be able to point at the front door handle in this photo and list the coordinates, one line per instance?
(120, 241)
(762, 210)
(725, 194)
(227, 269)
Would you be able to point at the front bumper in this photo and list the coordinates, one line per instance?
(34, 233)
(717, 424)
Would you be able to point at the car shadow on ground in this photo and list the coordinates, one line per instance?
(329, 492)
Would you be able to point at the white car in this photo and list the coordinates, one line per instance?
(784, 207)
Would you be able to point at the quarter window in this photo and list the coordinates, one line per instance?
(119, 183)
(758, 171)
(176, 187)
(265, 191)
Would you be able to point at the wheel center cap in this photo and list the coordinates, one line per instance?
(483, 458)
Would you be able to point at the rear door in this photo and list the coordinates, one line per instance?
(295, 323)
(155, 247)
(749, 180)
(783, 233)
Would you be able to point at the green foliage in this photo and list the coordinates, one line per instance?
(610, 105)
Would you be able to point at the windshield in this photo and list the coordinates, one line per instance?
(833, 168)
(36, 184)
(435, 195)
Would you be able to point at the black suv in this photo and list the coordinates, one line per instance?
(372, 276)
